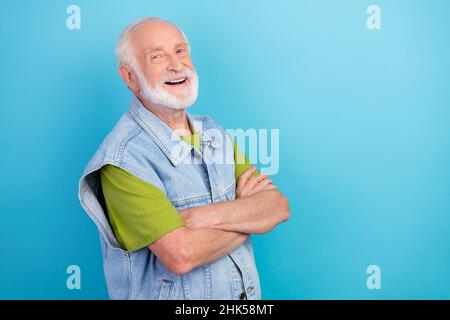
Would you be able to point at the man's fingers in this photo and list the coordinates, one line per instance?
(245, 176)
(262, 185)
(253, 181)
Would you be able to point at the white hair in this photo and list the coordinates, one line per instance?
(124, 52)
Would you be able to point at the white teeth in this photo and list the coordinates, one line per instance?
(177, 81)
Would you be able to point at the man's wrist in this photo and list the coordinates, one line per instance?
(200, 217)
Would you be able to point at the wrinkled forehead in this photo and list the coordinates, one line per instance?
(156, 34)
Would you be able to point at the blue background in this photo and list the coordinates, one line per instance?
(364, 136)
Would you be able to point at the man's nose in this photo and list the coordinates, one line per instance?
(174, 64)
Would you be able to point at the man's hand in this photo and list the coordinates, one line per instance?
(248, 184)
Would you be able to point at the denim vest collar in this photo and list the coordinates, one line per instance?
(175, 149)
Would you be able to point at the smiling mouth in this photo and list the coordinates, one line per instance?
(176, 82)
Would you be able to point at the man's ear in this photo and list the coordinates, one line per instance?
(129, 78)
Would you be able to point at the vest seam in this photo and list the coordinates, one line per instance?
(151, 134)
(219, 193)
(124, 143)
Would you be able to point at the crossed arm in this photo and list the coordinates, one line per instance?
(214, 230)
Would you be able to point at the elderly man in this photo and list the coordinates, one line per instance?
(174, 205)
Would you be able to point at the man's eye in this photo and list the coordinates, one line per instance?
(181, 50)
(157, 57)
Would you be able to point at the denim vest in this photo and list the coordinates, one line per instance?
(144, 145)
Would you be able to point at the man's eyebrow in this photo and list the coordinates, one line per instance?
(181, 44)
(159, 48)
(151, 49)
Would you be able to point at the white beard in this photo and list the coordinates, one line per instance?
(158, 95)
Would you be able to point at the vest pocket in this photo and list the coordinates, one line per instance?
(165, 290)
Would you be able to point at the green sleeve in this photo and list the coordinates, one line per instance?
(242, 163)
(139, 213)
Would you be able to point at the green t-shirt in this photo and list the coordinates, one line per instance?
(141, 213)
